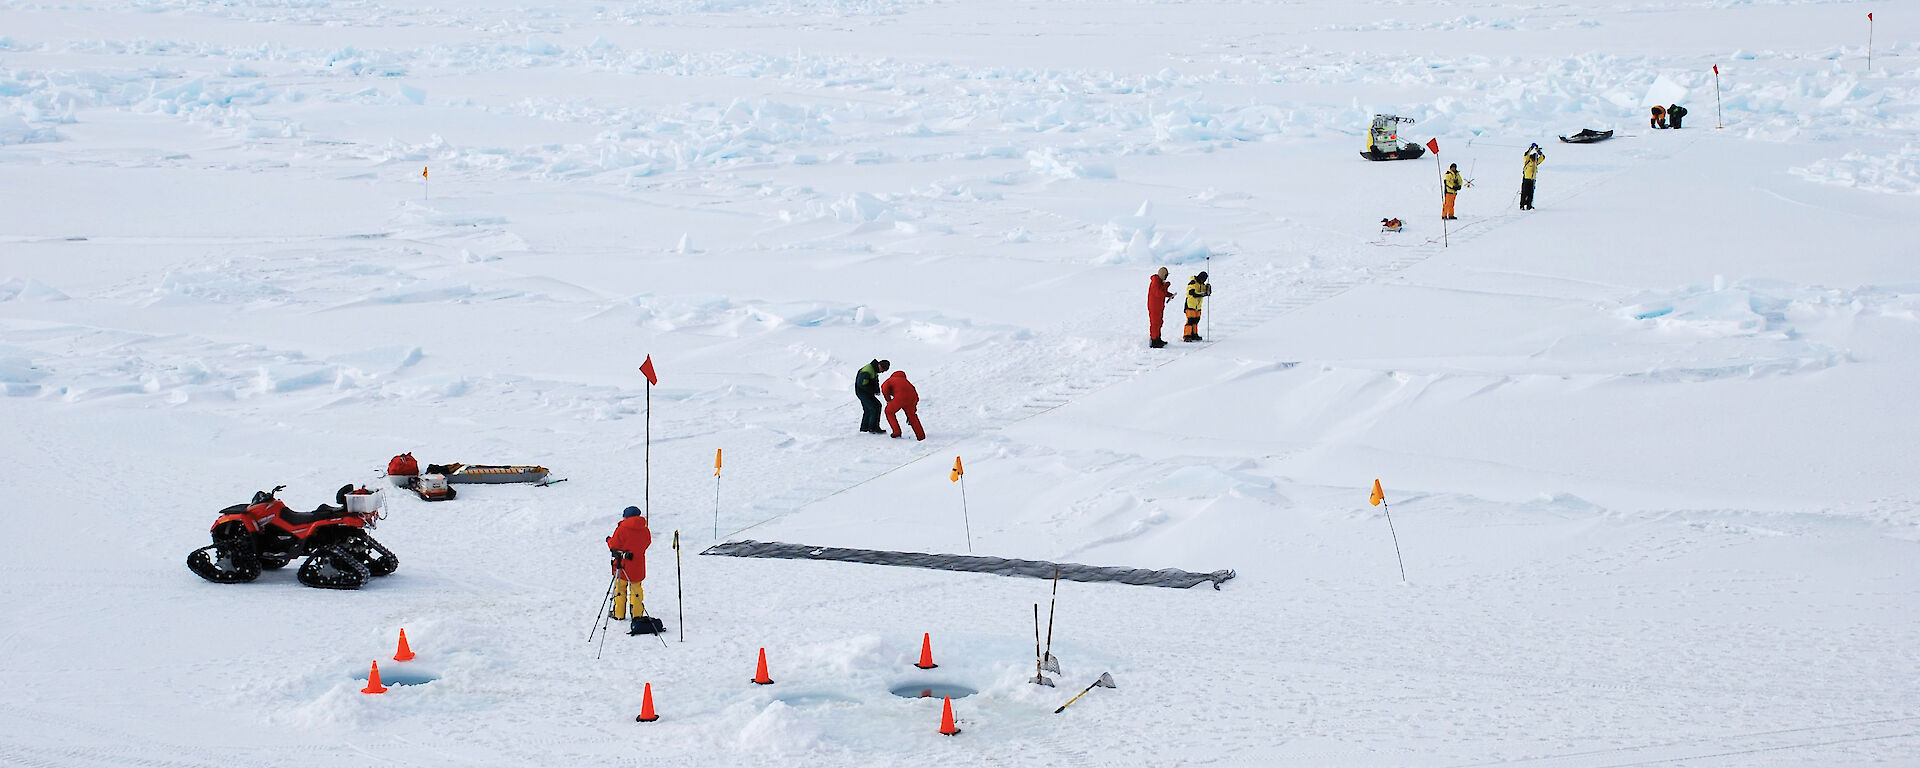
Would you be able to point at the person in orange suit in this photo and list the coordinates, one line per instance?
(1158, 294)
(628, 545)
(901, 396)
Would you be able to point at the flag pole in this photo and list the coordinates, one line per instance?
(424, 190)
(959, 475)
(1379, 499)
(1443, 195)
(646, 492)
(1396, 541)
(716, 494)
(1869, 42)
(963, 513)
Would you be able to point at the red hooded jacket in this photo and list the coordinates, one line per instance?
(1157, 294)
(896, 389)
(633, 536)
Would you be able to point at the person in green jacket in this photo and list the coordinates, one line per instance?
(866, 389)
(1529, 171)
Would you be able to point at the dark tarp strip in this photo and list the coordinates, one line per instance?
(1038, 569)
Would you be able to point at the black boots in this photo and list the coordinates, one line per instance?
(1156, 343)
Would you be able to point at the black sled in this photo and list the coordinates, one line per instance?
(1587, 136)
(1407, 152)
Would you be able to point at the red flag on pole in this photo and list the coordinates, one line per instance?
(1433, 145)
(646, 369)
(1716, 69)
(1869, 16)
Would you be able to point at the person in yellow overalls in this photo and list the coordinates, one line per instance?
(1529, 171)
(1451, 186)
(1197, 292)
(628, 545)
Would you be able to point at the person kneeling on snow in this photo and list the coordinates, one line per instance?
(1674, 113)
(628, 545)
(901, 396)
(1659, 119)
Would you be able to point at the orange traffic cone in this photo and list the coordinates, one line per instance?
(760, 675)
(926, 651)
(373, 681)
(946, 716)
(403, 653)
(646, 707)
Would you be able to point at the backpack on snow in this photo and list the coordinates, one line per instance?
(403, 464)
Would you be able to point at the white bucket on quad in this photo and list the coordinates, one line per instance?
(363, 503)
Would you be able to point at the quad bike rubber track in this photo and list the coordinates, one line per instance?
(333, 567)
(230, 561)
(379, 560)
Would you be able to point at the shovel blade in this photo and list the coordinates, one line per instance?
(1050, 664)
(1105, 681)
(1041, 680)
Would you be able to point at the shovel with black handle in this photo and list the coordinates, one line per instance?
(1047, 661)
(1105, 681)
(1039, 676)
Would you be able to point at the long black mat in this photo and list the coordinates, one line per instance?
(1038, 569)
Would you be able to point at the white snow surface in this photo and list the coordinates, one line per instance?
(1647, 450)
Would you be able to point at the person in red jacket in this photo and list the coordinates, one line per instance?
(628, 545)
(1158, 294)
(901, 396)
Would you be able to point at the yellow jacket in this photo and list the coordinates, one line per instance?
(1530, 165)
(1452, 183)
(1197, 292)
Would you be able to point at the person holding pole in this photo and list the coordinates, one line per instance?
(866, 389)
(1197, 292)
(1450, 186)
(1530, 171)
(628, 546)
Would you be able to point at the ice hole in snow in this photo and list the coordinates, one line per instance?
(399, 674)
(931, 690)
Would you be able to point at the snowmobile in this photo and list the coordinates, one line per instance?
(1587, 136)
(264, 534)
(1383, 140)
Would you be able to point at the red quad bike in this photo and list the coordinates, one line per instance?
(265, 534)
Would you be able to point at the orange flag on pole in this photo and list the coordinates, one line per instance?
(423, 171)
(716, 462)
(957, 471)
(646, 369)
(1378, 495)
(1434, 145)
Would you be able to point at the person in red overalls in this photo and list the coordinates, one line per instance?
(1158, 294)
(628, 545)
(901, 396)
